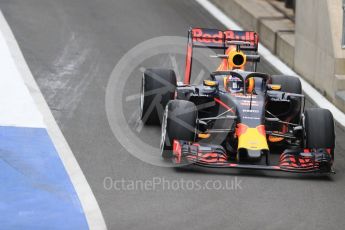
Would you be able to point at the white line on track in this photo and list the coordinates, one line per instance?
(309, 90)
(36, 100)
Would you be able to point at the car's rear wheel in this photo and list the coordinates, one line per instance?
(287, 111)
(288, 83)
(319, 129)
(157, 89)
(179, 123)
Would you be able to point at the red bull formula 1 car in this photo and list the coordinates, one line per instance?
(238, 117)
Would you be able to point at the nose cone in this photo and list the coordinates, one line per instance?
(252, 140)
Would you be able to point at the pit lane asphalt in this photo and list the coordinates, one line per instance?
(72, 47)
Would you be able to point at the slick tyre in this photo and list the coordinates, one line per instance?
(319, 129)
(179, 123)
(288, 84)
(287, 111)
(158, 87)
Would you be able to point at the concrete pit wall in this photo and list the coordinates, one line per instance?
(319, 57)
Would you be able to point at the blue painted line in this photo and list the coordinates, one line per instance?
(35, 190)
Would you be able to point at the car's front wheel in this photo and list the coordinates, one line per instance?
(319, 129)
(179, 123)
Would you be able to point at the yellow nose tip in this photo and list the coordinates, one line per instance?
(252, 139)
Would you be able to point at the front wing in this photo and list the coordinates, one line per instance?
(214, 156)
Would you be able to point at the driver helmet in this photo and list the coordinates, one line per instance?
(234, 84)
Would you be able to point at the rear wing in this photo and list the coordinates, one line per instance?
(217, 39)
(213, 38)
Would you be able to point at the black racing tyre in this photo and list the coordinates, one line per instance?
(319, 129)
(286, 111)
(179, 123)
(157, 89)
(288, 84)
